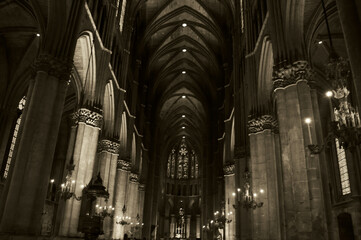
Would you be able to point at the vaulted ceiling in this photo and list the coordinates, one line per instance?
(185, 44)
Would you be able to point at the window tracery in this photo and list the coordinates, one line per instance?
(182, 163)
(343, 170)
(21, 107)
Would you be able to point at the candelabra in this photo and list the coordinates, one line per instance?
(247, 198)
(138, 224)
(220, 219)
(345, 122)
(207, 227)
(124, 220)
(104, 211)
(66, 190)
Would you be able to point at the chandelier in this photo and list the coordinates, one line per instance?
(123, 220)
(345, 124)
(220, 219)
(138, 224)
(67, 188)
(104, 211)
(345, 119)
(247, 198)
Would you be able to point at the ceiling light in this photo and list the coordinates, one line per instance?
(320, 42)
(183, 127)
(183, 116)
(184, 50)
(183, 72)
(184, 24)
(184, 137)
(38, 34)
(184, 96)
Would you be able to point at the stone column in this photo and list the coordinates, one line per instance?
(198, 227)
(107, 166)
(302, 186)
(166, 226)
(121, 184)
(85, 148)
(263, 167)
(230, 188)
(141, 194)
(172, 226)
(27, 189)
(132, 197)
(188, 226)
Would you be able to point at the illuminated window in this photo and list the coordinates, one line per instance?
(122, 14)
(13, 139)
(342, 166)
(182, 164)
(242, 16)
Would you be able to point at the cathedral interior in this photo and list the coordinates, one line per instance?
(180, 119)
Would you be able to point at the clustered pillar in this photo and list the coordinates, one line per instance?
(303, 193)
(31, 170)
(86, 141)
(230, 188)
(132, 199)
(172, 225)
(107, 167)
(121, 183)
(263, 166)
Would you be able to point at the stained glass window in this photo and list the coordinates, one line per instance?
(180, 166)
(122, 14)
(169, 165)
(173, 163)
(196, 167)
(13, 139)
(182, 163)
(342, 166)
(193, 165)
(242, 16)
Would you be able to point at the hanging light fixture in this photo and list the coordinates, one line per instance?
(345, 119)
(123, 220)
(246, 197)
(220, 219)
(67, 188)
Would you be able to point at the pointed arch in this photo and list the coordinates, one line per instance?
(231, 147)
(265, 71)
(108, 109)
(134, 151)
(85, 67)
(123, 134)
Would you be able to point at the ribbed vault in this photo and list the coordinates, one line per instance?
(185, 51)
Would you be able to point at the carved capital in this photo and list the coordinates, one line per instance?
(301, 70)
(58, 68)
(228, 169)
(124, 165)
(134, 177)
(259, 124)
(290, 74)
(106, 145)
(88, 117)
